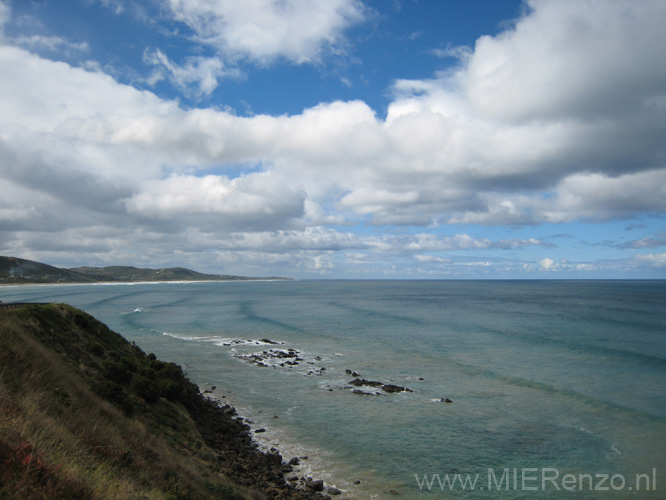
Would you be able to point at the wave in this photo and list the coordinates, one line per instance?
(223, 341)
(554, 390)
(370, 313)
(247, 310)
(585, 348)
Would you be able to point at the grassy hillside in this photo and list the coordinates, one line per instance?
(84, 414)
(15, 270)
(128, 273)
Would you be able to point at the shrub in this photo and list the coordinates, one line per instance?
(111, 391)
(117, 372)
(168, 388)
(146, 388)
(96, 350)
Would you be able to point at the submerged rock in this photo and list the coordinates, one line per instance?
(390, 388)
(396, 388)
(317, 485)
(363, 393)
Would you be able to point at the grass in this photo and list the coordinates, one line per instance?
(84, 415)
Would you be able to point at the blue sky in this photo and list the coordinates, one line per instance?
(336, 138)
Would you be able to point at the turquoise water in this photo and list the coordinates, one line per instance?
(547, 378)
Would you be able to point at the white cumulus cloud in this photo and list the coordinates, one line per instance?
(262, 30)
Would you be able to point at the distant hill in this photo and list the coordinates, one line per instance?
(16, 270)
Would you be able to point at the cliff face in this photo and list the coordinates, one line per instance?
(85, 414)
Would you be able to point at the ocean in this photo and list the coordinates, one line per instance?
(557, 389)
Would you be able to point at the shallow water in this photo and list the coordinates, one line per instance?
(547, 378)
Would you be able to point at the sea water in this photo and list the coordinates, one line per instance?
(557, 388)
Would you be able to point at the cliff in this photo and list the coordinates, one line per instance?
(85, 414)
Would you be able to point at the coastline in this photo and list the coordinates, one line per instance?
(111, 283)
(312, 463)
(242, 458)
(268, 465)
(113, 377)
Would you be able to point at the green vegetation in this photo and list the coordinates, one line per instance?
(85, 414)
(15, 270)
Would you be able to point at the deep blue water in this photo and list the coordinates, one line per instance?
(547, 378)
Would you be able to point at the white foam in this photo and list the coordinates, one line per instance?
(222, 341)
(186, 338)
(228, 342)
(315, 462)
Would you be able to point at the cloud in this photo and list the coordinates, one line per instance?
(582, 196)
(588, 49)
(461, 53)
(601, 197)
(202, 72)
(263, 30)
(15, 213)
(645, 242)
(432, 259)
(430, 242)
(547, 264)
(5, 16)
(57, 44)
(658, 259)
(439, 157)
(245, 201)
(567, 101)
(548, 122)
(311, 238)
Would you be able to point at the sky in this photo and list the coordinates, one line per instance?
(340, 139)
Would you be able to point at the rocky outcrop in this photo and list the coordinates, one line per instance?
(390, 388)
(273, 357)
(240, 457)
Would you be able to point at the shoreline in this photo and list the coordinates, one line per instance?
(110, 379)
(312, 462)
(247, 460)
(111, 283)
